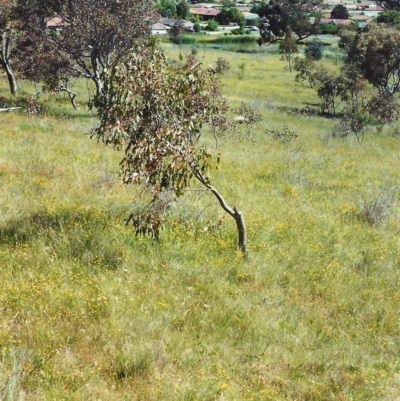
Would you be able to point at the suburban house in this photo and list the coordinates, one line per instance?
(170, 22)
(361, 18)
(250, 17)
(356, 17)
(370, 7)
(336, 21)
(206, 13)
(160, 29)
(205, 5)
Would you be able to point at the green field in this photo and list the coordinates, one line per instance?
(88, 311)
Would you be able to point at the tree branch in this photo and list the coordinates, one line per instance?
(10, 109)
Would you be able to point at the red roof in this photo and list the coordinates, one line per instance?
(359, 17)
(204, 11)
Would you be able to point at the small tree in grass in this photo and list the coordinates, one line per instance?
(222, 65)
(177, 33)
(287, 48)
(305, 68)
(155, 111)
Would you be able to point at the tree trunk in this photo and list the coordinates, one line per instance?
(239, 219)
(242, 232)
(11, 79)
(4, 61)
(98, 84)
(9, 109)
(71, 95)
(96, 72)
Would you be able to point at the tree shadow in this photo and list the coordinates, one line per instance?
(77, 236)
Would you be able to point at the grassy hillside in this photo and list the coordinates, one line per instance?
(89, 312)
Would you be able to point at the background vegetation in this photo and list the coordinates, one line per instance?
(89, 312)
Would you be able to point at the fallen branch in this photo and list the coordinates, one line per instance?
(10, 109)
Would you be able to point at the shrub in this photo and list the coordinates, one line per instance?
(314, 50)
(242, 67)
(378, 210)
(247, 51)
(328, 29)
(383, 107)
(305, 68)
(222, 65)
(248, 116)
(286, 135)
(212, 25)
(185, 40)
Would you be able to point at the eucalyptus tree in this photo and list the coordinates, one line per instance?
(91, 35)
(281, 16)
(379, 47)
(182, 9)
(167, 8)
(340, 12)
(155, 111)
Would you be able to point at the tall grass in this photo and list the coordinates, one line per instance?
(212, 39)
(88, 311)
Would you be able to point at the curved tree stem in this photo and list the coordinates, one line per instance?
(233, 212)
(239, 219)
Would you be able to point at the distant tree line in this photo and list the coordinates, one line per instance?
(172, 9)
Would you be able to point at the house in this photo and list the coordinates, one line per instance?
(160, 29)
(327, 19)
(361, 18)
(370, 7)
(352, 7)
(170, 22)
(205, 5)
(335, 21)
(206, 13)
(250, 16)
(310, 7)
